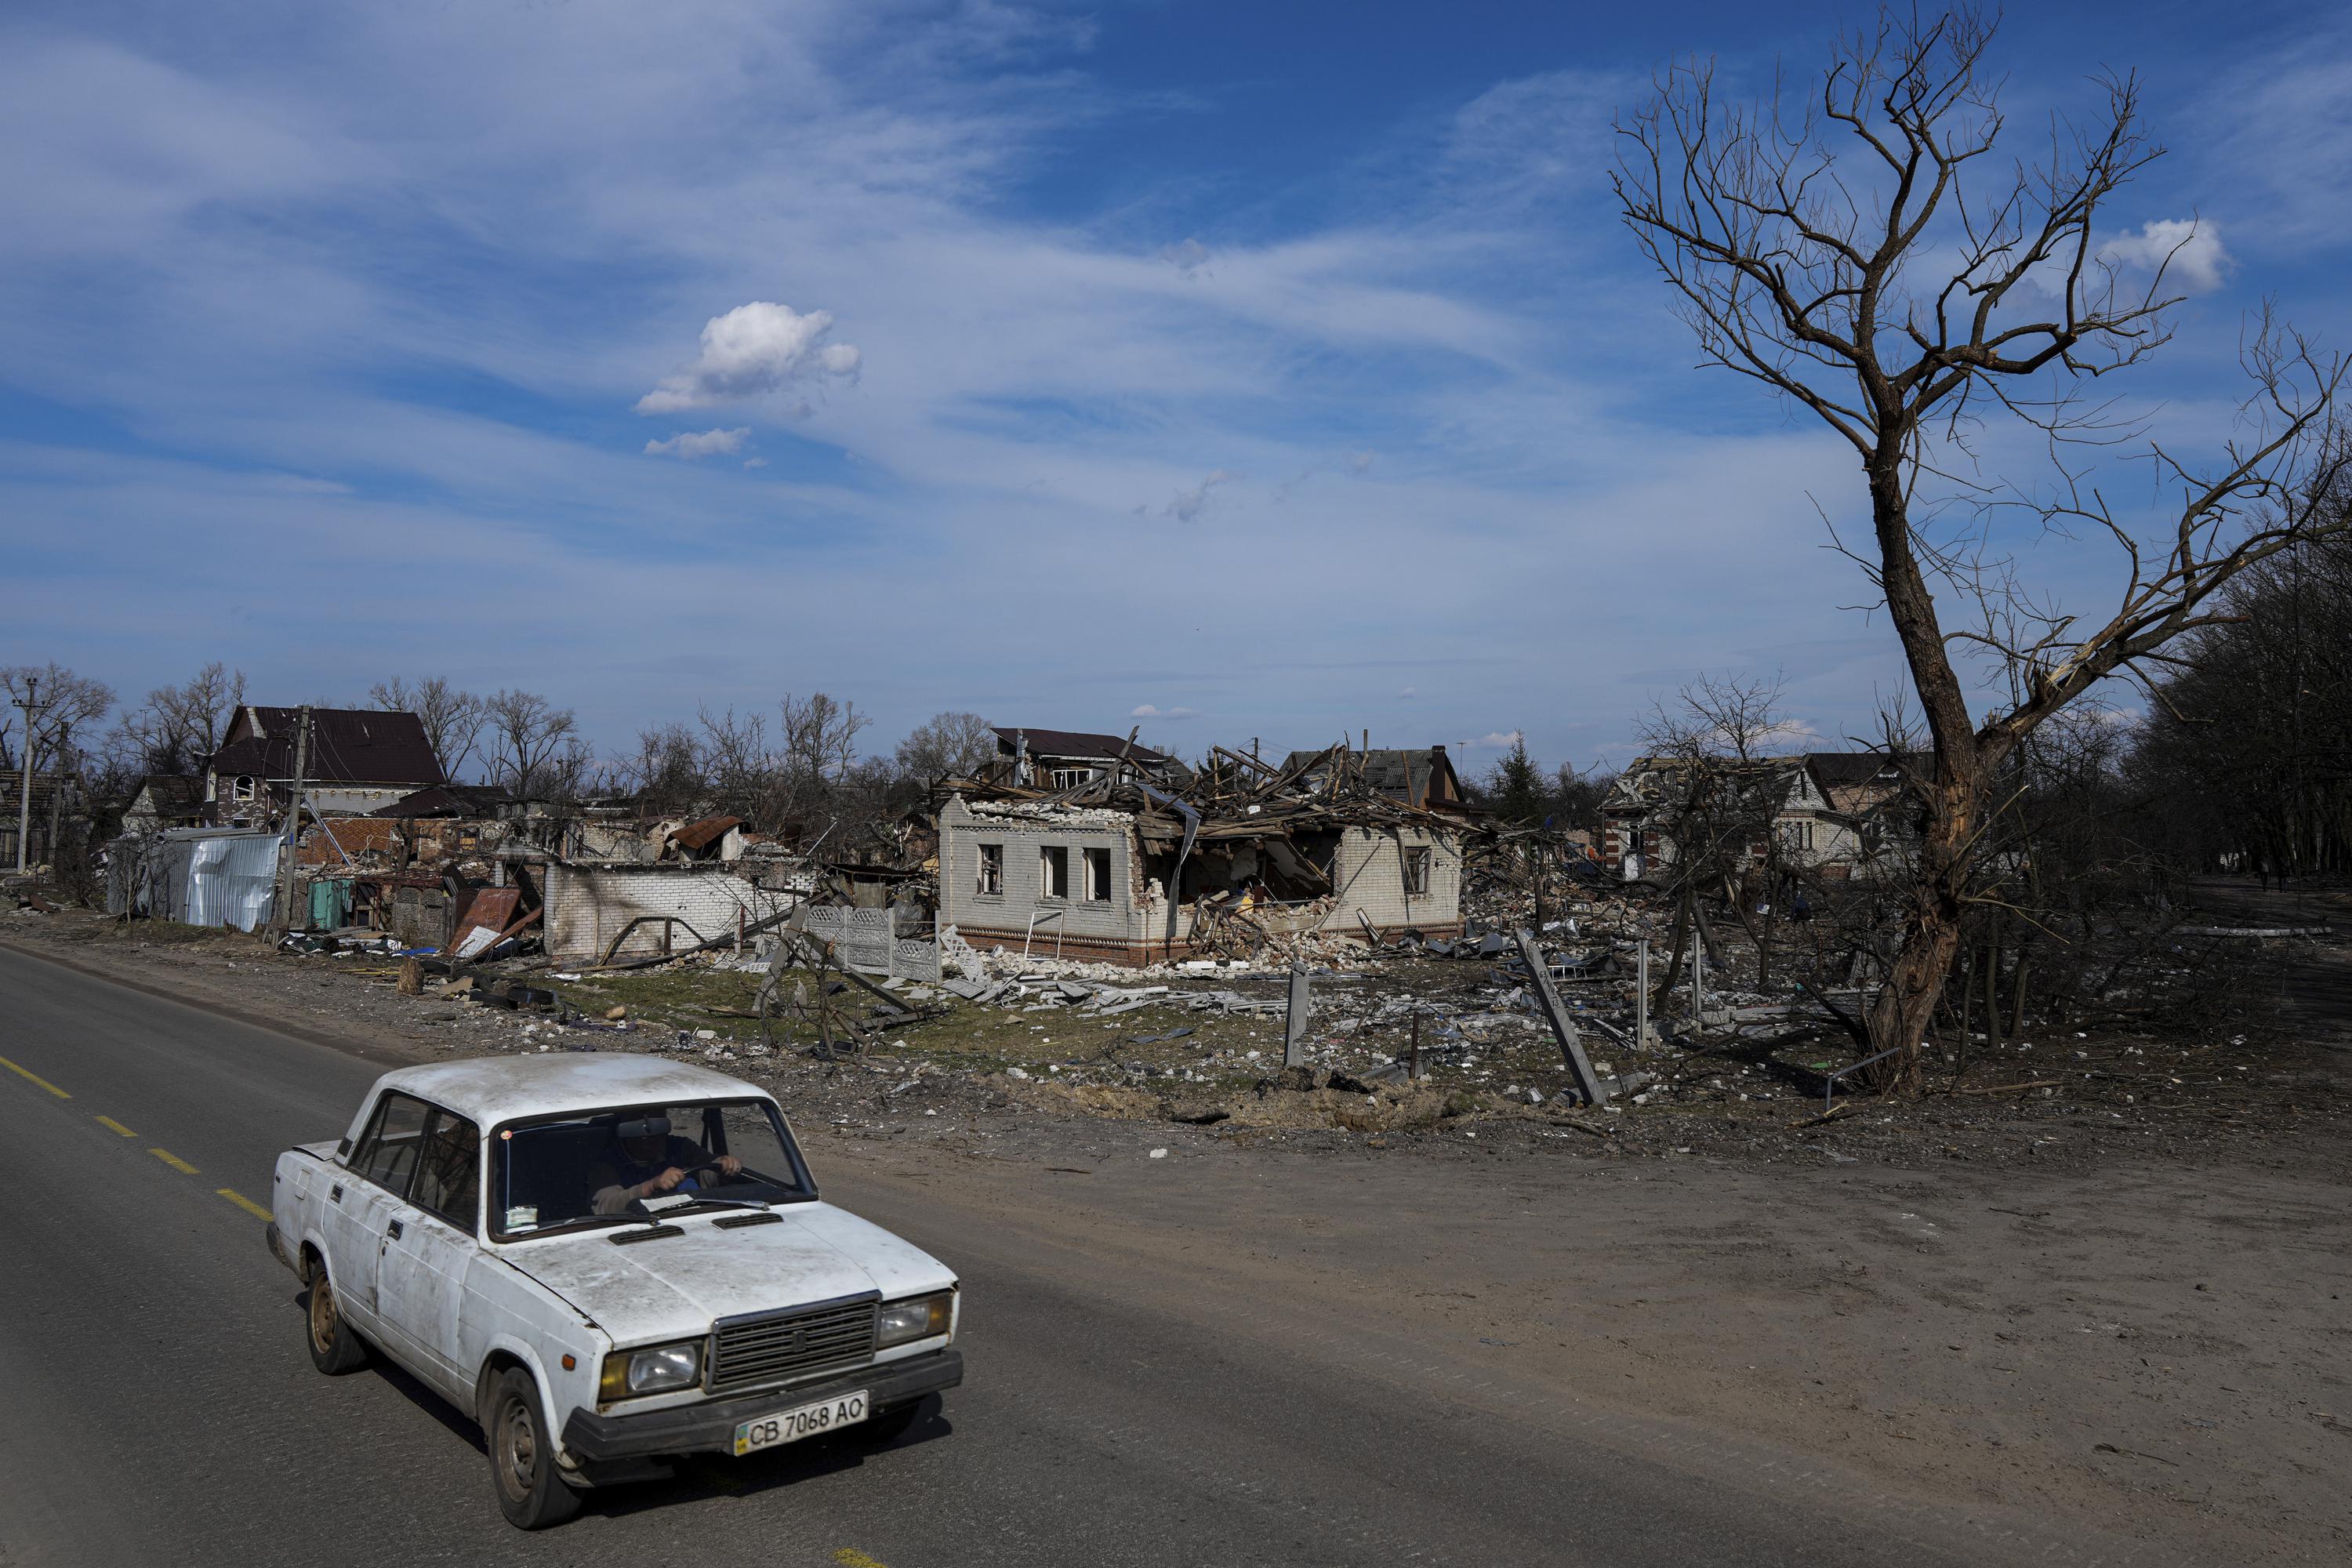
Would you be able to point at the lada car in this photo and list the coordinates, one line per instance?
(608, 1261)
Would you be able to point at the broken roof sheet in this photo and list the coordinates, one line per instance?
(702, 835)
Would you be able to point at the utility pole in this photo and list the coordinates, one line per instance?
(293, 823)
(24, 768)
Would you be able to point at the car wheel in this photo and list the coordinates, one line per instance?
(887, 1425)
(334, 1347)
(523, 1456)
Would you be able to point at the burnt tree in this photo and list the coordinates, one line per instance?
(1855, 247)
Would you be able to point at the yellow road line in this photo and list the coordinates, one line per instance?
(35, 1078)
(241, 1201)
(110, 1122)
(173, 1161)
(850, 1557)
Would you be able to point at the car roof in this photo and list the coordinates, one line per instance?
(488, 1089)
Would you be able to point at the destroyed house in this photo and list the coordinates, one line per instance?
(1424, 780)
(1819, 812)
(1063, 759)
(1134, 874)
(358, 760)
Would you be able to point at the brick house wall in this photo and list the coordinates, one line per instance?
(1130, 926)
(588, 905)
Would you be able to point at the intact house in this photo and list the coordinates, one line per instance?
(1055, 760)
(1125, 882)
(359, 759)
(1829, 813)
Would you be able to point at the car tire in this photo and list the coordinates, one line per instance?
(523, 1456)
(888, 1426)
(334, 1347)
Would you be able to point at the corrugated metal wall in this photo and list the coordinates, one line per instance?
(197, 876)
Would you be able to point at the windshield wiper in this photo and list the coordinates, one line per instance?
(695, 1200)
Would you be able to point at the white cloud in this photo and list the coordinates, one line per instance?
(1495, 741)
(1187, 258)
(1186, 505)
(755, 462)
(754, 349)
(1409, 691)
(2189, 251)
(1146, 710)
(692, 444)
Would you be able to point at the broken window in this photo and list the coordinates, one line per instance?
(1098, 876)
(242, 789)
(1053, 872)
(991, 868)
(1071, 778)
(1416, 872)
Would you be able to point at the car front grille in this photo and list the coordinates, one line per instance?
(765, 1348)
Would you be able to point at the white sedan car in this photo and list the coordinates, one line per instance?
(607, 1260)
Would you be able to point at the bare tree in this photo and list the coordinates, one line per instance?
(535, 746)
(820, 735)
(1719, 788)
(1858, 251)
(69, 702)
(179, 726)
(452, 720)
(950, 745)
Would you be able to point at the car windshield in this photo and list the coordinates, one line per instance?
(621, 1166)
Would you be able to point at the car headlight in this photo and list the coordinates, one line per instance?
(917, 1318)
(656, 1370)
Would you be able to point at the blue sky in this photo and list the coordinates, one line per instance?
(1238, 371)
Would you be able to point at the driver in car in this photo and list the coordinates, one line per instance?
(645, 1161)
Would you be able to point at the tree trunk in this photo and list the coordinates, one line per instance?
(1673, 963)
(1953, 798)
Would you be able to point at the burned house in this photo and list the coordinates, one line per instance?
(358, 760)
(1243, 863)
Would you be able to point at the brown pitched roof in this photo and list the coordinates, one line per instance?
(348, 746)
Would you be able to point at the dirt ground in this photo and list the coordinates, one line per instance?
(2114, 1309)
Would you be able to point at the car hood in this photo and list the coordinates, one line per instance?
(675, 1287)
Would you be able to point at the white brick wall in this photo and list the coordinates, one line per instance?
(963, 906)
(588, 905)
(1372, 879)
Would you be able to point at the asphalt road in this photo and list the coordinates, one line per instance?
(159, 1406)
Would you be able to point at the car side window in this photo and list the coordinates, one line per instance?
(448, 1173)
(388, 1154)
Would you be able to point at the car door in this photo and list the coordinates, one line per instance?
(372, 1199)
(429, 1243)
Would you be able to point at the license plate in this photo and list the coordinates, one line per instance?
(803, 1421)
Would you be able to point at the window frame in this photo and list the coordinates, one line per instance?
(470, 1225)
(501, 1140)
(357, 1164)
(1047, 866)
(991, 860)
(1095, 889)
(1419, 867)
